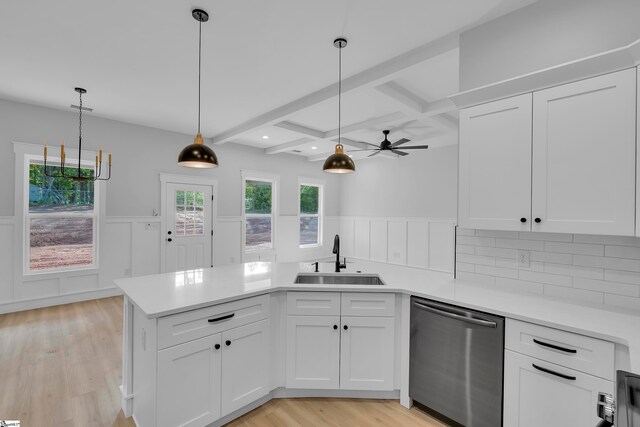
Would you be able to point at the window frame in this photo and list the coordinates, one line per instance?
(27, 217)
(312, 182)
(248, 175)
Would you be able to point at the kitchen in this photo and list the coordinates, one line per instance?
(490, 279)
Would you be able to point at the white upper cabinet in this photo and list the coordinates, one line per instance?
(584, 156)
(495, 165)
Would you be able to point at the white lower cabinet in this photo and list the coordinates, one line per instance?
(189, 383)
(539, 393)
(347, 352)
(366, 353)
(245, 365)
(313, 352)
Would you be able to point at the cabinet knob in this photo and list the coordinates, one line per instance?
(523, 220)
(345, 327)
(538, 220)
(217, 346)
(169, 239)
(335, 326)
(169, 232)
(228, 343)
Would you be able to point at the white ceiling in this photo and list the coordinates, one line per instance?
(269, 67)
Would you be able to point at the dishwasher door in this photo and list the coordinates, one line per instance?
(456, 362)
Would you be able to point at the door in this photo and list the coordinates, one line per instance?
(495, 165)
(313, 352)
(245, 362)
(189, 383)
(538, 393)
(584, 152)
(188, 227)
(367, 353)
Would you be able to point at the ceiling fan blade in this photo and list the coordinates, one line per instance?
(368, 143)
(399, 153)
(416, 147)
(400, 142)
(371, 155)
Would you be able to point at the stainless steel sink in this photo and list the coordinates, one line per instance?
(339, 279)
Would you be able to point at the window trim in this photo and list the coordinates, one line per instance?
(312, 182)
(27, 217)
(249, 175)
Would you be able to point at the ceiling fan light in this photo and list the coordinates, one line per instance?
(339, 162)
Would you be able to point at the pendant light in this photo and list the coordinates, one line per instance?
(339, 162)
(198, 155)
(77, 176)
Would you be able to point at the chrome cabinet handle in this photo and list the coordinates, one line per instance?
(555, 347)
(557, 374)
(472, 320)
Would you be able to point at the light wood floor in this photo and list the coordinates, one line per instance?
(62, 366)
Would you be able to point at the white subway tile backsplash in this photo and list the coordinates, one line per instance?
(622, 251)
(553, 279)
(574, 248)
(549, 237)
(476, 259)
(551, 257)
(607, 287)
(497, 252)
(532, 245)
(503, 234)
(574, 270)
(622, 276)
(507, 284)
(579, 295)
(478, 241)
(497, 271)
(582, 268)
(465, 249)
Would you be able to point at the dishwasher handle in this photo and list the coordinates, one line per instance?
(445, 313)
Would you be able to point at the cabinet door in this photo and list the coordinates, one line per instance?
(495, 165)
(367, 353)
(584, 156)
(189, 383)
(313, 352)
(245, 365)
(534, 398)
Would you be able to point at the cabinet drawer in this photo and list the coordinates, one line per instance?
(194, 324)
(368, 304)
(585, 354)
(313, 303)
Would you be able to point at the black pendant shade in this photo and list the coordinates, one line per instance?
(339, 162)
(198, 155)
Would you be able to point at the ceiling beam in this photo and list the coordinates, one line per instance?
(287, 146)
(303, 130)
(371, 77)
(402, 96)
(391, 117)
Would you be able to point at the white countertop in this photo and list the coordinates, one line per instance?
(170, 293)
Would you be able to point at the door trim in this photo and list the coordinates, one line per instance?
(166, 178)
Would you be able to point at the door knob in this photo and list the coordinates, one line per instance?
(169, 239)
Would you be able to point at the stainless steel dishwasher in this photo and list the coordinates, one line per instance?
(456, 362)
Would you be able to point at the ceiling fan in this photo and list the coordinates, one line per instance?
(386, 145)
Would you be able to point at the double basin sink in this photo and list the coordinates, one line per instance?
(339, 279)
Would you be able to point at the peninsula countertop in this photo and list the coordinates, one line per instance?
(169, 293)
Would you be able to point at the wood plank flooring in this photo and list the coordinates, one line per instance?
(62, 366)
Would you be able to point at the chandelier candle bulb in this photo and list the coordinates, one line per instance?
(101, 154)
(96, 161)
(109, 159)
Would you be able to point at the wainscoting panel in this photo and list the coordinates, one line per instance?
(7, 249)
(397, 242)
(227, 240)
(418, 243)
(378, 238)
(362, 233)
(441, 245)
(347, 236)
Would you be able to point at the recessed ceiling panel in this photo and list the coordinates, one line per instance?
(434, 79)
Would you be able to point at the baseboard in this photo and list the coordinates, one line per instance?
(292, 393)
(240, 412)
(31, 304)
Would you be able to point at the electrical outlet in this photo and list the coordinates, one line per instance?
(524, 259)
(127, 272)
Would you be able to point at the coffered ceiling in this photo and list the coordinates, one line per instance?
(269, 66)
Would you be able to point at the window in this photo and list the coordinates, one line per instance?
(61, 221)
(189, 216)
(259, 213)
(310, 215)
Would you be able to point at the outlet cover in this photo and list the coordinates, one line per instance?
(524, 259)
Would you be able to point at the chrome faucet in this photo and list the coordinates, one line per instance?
(336, 250)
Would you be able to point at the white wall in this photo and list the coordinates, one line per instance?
(422, 184)
(544, 34)
(130, 236)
